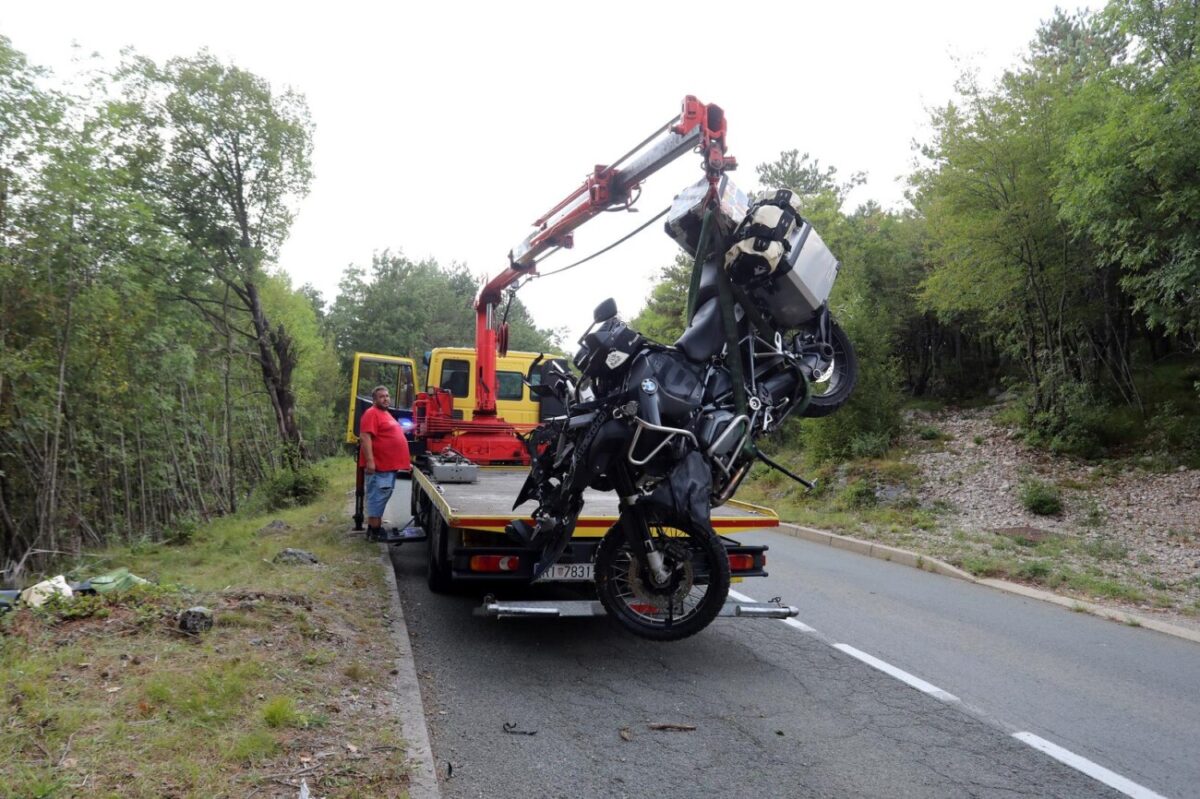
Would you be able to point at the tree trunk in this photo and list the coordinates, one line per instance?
(277, 357)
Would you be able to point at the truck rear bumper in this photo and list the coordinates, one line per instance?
(515, 565)
(582, 608)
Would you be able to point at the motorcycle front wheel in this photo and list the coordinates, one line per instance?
(833, 387)
(692, 598)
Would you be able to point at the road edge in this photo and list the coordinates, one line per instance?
(422, 774)
(904, 557)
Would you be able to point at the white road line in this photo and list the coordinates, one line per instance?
(1093, 770)
(799, 625)
(1077, 762)
(899, 674)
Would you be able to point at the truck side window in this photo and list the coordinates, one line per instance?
(509, 386)
(404, 388)
(456, 377)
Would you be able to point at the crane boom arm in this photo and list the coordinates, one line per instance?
(699, 127)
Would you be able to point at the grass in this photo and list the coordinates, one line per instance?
(103, 696)
(1040, 498)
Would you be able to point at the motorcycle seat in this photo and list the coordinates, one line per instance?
(705, 336)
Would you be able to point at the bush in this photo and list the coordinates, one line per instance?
(181, 531)
(291, 488)
(1177, 431)
(1040, 498)
(858, 494)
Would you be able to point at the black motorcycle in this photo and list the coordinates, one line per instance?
(671, 429)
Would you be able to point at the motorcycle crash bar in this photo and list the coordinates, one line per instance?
(582, 608)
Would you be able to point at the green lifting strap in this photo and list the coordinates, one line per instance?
(701, 254)
(727, 294)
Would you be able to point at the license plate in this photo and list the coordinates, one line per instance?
(567, 573)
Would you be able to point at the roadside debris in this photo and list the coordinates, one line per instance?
(119, 580)
(510, 727)
(295, 556)
(626, 734)
(39, 594)
(672, 727)
(194, 621)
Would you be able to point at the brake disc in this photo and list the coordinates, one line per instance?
(674, 554)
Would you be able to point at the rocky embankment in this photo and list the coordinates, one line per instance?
(1126, 535)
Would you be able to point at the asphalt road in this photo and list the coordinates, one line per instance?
(783, 712)
(1123, 697)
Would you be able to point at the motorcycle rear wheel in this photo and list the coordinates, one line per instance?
(837, 382)
(692, 601)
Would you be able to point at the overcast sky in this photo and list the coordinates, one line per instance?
(445, 129)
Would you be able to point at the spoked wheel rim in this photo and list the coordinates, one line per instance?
(678, 602)
(683, 606)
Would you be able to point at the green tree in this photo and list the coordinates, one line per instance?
(404, 307)
(1002, 257)
(662, 316)
(1130, 177)
(235, 156)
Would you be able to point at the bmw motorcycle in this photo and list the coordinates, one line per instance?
(672, 428)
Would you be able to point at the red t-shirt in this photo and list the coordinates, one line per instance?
(388, 444)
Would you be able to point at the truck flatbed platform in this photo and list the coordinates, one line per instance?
(486, 505)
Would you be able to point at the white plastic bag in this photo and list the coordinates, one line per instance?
(37, 595)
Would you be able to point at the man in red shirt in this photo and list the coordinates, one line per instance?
(382, 453)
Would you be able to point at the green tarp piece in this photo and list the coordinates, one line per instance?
(119, 580)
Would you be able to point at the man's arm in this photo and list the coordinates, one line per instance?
(368, 452)
(366, 436)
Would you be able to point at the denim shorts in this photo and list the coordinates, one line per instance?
(379, 491)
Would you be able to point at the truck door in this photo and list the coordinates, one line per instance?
(370, 370)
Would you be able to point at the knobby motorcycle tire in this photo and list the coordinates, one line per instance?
(845, 364)
(716, 560)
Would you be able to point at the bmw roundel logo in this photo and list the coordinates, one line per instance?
(649, 386)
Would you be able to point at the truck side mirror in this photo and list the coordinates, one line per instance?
(533, 369)
(605, 310)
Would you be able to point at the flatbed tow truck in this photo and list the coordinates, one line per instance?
(467, 473)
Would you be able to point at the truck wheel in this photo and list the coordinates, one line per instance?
(438, 577)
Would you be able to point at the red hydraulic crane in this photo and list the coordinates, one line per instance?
(487, 438)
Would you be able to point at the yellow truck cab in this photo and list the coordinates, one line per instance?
(453, 368)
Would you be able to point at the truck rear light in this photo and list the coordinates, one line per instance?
(741, 563)
(495, 563)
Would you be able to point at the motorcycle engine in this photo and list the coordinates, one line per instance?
(710, 428)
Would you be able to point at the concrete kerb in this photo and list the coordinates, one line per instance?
(422, 773)
(906, 558)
